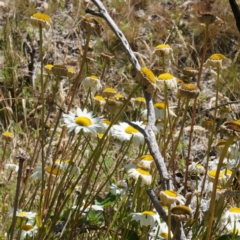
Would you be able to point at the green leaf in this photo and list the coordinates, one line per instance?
(94, 217)
(110, 198)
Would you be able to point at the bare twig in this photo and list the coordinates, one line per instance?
(148, 131)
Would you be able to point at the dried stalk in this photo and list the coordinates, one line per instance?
(148, 132)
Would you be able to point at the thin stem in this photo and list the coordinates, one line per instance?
(21, 160)
(42, 117)
(180, 134)
(198, 84)
(104, 68)
(169, 221)
(165, 121)
(79, 79)
(4, 152)
(229, 142)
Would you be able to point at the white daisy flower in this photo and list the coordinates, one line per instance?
(218, 60)
(145, 161)
(109, 92)
(135, 172)
(163, 50)
(92, 82)
(233, 227)
(227, 173)
(168, 79)
(234, 151)
(28, 215)
(230, 163)
(88, 207)
(140, 102)
(145, 218)
(37, 175)
(105, 125)
(83, 120)
(212, 176)
(159, 232)
(67, 165)
(196, 168)
(119, 189)
(233, 214)
(168, 197)
(11, 167)
(159, 109)
(124, 132)
(28, 230)
(99, 100)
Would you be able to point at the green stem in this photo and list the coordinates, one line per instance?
(180, 134)
(229, 142)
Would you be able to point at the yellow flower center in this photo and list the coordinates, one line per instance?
(42, 16)
(100, 135)
(70, 70)
(227, 172)
(107, 122)
(7, 134)
(99, 98)
(118, 95)
(217, 57)
(83, 121)
(165, 76)
(110, 90)
(212, 173)
(180, 209)
(150, 213)
(164, 235)
(234, 210)
(49, 66)
(225, 110)
(233, 125)
(121, 186)
(160, 105)
(26, 227)
(93, 77)
(180, 81)
(147, 157)
(54, 171)
(170, 193)
(148, 74)
(22, 214)
(131, 130)
(66, 161)
(162, 46)
(236, 231)
(143, 171)
(142, 99)
(189, 87)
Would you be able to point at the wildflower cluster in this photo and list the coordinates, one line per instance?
(80, 156)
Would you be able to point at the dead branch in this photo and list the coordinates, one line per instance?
(148, 132)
